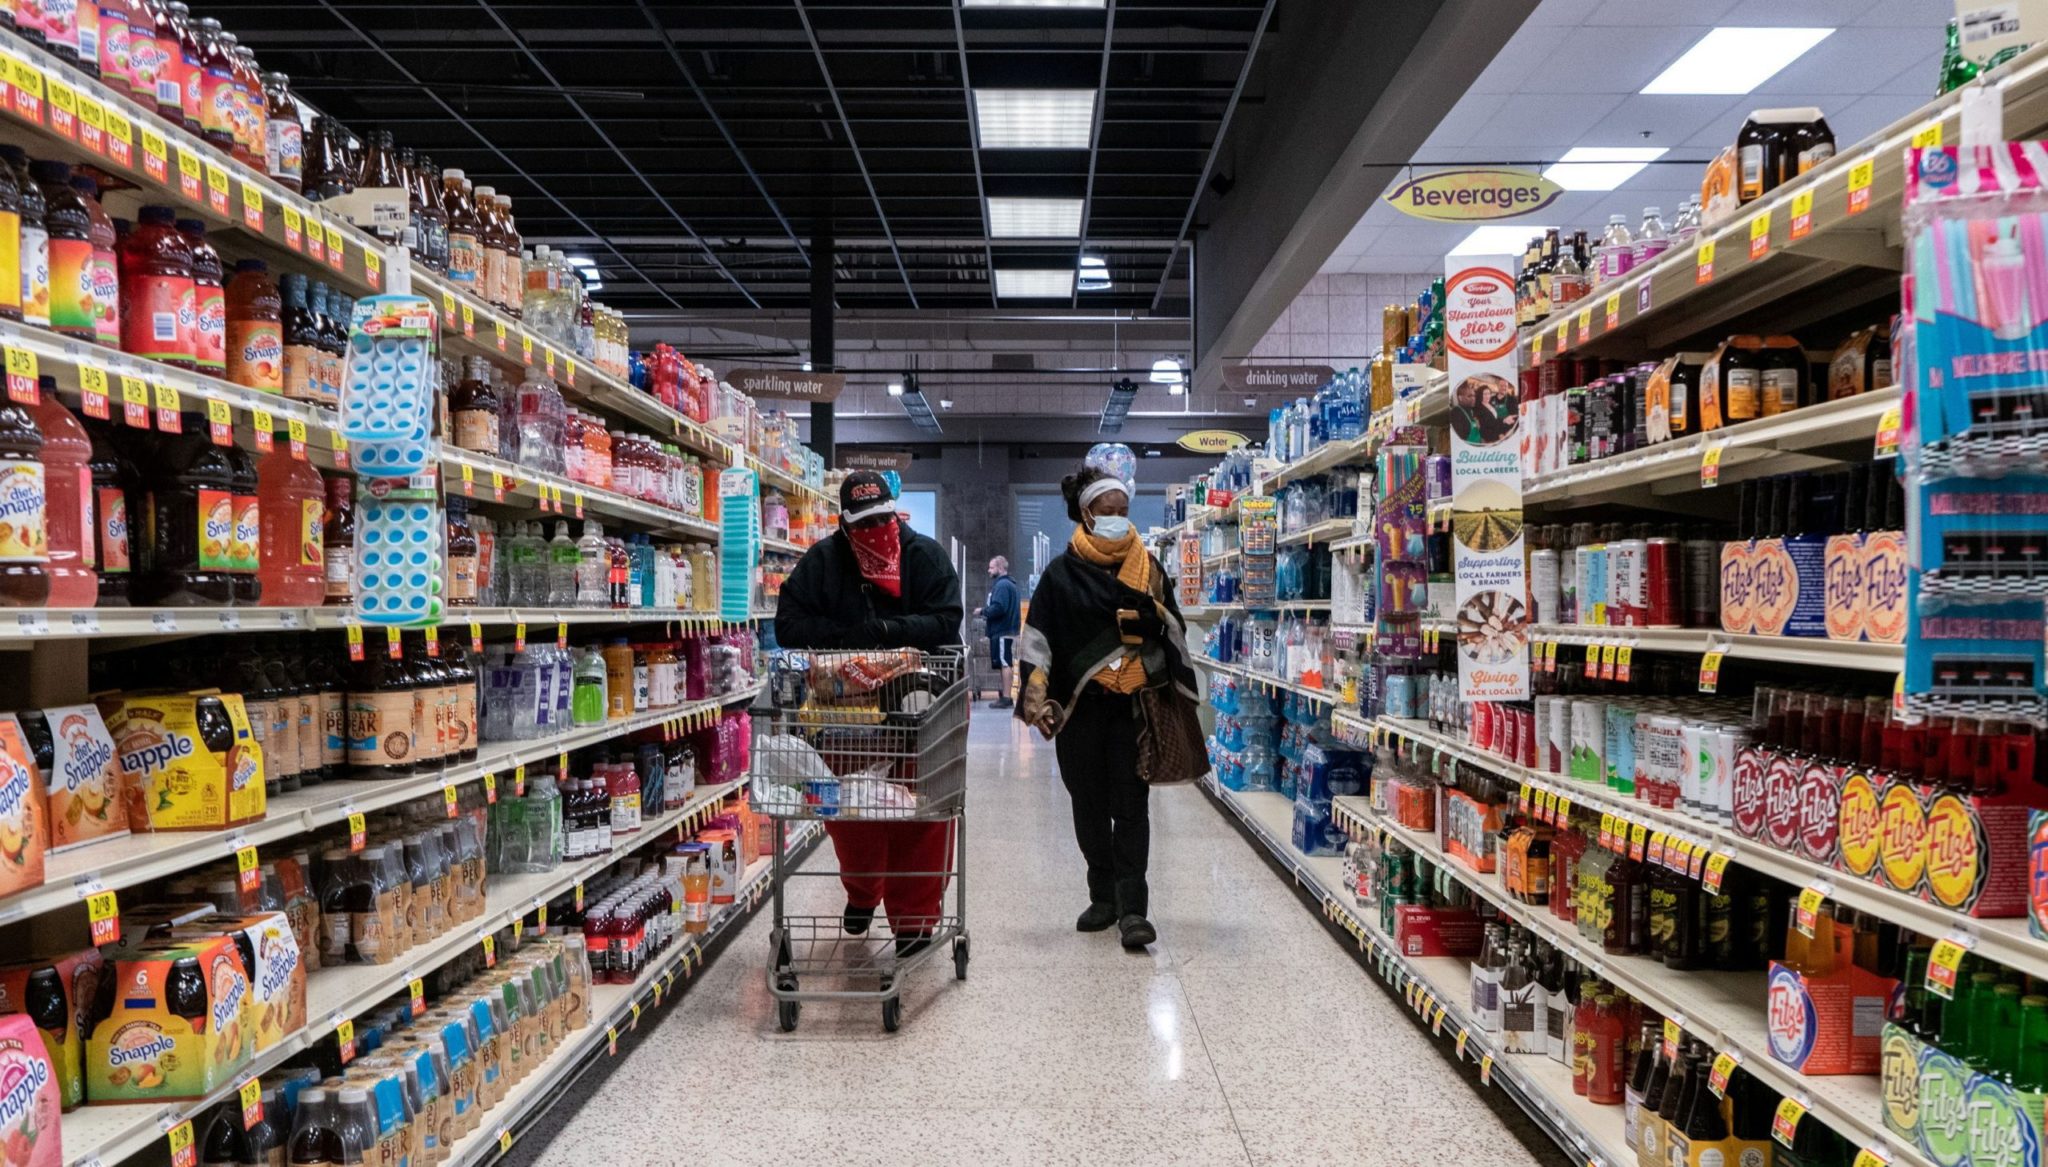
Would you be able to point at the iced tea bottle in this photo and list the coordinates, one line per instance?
(292, 562)
(189, 510)
(156, 289)
(255, 328)
(462, 556)
(69, 226)
(490, 237)
(106, 276)
(426, 187)
(209, 301)
(35, 240)
(380, 715)
(474, 402)
(67, 483)
(300, 333)
(514, 287)
(246, 538)
(340, 313)
(465, 254)
(217, 97)
(10, 244)
(115, 490)
(338, 539)
(24, 543)
(284, 136)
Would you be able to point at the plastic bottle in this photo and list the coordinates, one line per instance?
(209, 303)
(1652, 240)
(533, 562)
(475, 406)
(1617, 249)
(114, 502)
(35, 240)
(291, 500)
(24, 500)
(338, 539)
(106, 277)
(255, 328)
(69, 529)
(284, 136)
(465, 255)
(591, 697)
(512, 279)
(618, 665)
(12, 283)
(68, 226)
(217, 100)
(563, 557)
(334, 345)
(462, 560)
(189, 66)
(433, 226)
(157, 292)
(73, 29)
(593, 568)
(246, 537)
(320, 387)
(114, 17)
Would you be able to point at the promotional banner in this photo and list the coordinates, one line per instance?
(1486, 479)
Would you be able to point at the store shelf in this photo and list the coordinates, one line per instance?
(784, 546)
(108, 1134)
(1784, 650)
(1539, 1085)
(1769, 445)
(1321, 696)
(2005, 941)
(137, 858)
(1225, 557)
(1275, 606)
(1327, 531)
(1431, 403)
(30, 626)
(471, 474)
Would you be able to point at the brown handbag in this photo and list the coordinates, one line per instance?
(1171, 746)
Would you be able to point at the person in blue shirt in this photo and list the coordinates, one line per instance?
(1002, 614)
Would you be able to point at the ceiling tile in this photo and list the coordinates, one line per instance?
(1467, 117)
(1836, 14)
(1699, 13)
(1628, 57)
(1853, 60)
(1560, 118)
(1657, 120)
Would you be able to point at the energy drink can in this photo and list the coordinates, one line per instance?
(1543, 588)
(1625, 605)
(1660, 582)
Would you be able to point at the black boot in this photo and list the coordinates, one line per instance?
(1136, 931)
(856, 920)
(909, 944)
(1097, 918)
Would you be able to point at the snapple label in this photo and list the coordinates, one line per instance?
(1750, 766)
(1820, 802)
(1738, 611)
(1781, 803)
(1845, 595)
(1884, 587)
(1901, 837)
(1856, 836)
(1955, 853)
(1944, 1108)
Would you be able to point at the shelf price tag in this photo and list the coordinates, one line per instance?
(498, 327)
(1717, 870)
(1525, 797)
(1585, 324)
(28, 91)
(1638, 841)
(504, 1141)
(120, 138)
(497, 486)
(23, 377)
(155, 156)
(611, 1040)
(358, 831)
(217, 188)
(1888, 427)
(561, 634)
(1550, 656)
(1928, 135)
(1808, 913)
(191, 176)
(1536, 349)
(252, 207)
(393, 643)
(519, 779)
(336, 246)
(1654, 856)
(1868, 1157)
(246, 868)
(1710, 465)
(1607, 661)
(92, 386)
(1703, 264)
(220, 422)
(1463, 1037)
(569, 371)
(476, 637)
(491, 788)
(490, 943)
(1623, 654)
(102, 911)
(519, 636)
(1613, 311)
(1564, 808)
(1724, 1069)
(354, 633)
(1861, 173)
(548, 355)
(169, 408)
(468, 322)
(251, 1095)
(1802, 214)
(526, 350)
(1486, 1070)
(92, 124)
(373, 269)
(1607, 830)
(294, 227)
(1563, 334)
(183, 1153)
(63, 110)
(451, 799)
(1785, 1123)
(295, 434)
(1760, 234)
(448, 309)
(1710, 671)
(345, 1036)
(1942, 965)
(1673, 1029)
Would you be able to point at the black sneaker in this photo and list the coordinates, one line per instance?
(1136, 931)
(909, 944)
(856, 920)
(1001, 703)
(1097, 918)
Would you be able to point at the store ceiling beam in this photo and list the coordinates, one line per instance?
(1095, 137)
(496, 151)
(988, 254)
(1301, 182)
(853, 143)
(598, 129)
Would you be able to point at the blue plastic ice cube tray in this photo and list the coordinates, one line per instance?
(387, 406)
(398, 562)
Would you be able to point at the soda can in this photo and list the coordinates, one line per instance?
(789, 680)
(1589, 740)
(1554, 733)
(1438, 468)
(1625, 604)
(1726, 746)
(1660, 582)
(1543, 587)
(1695, 769)
(1620, 745)
(822, 796)
(1701, 583)
(1666, 764)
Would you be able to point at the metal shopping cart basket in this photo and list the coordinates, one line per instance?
(858, 737)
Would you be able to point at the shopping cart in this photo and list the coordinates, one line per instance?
(861, 736)
(981, 671)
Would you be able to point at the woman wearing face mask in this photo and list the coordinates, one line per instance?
(1105, 667)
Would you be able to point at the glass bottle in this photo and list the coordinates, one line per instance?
(465, 258)
(475, 406)
(462, 557)
(426, 185)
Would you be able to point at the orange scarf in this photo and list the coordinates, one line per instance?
(1135, 571)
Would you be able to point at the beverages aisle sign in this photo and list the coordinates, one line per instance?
(1473, 194)
(1492, 614)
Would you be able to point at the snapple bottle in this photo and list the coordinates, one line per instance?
(106, 268)
(188, 522)
(114, 489)
(73, 312)
(156, 289)
(255, 328)
(293, 565)
(68, 513)
(245, 538)
(217, 96)
(209, 301)
(24, 545)
(189, 63)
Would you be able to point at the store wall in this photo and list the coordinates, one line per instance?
(1336, 318)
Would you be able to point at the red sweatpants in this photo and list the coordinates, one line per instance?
(867, 850)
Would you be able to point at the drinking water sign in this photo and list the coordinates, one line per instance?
(1473, 193)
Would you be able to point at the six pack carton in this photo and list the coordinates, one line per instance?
(1953, 1115)
(177, 1028)
(189, 760)
(58, 997)
(31, 1129)
(1830, 1024)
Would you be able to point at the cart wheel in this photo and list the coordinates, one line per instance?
(960, 959)
(786, 1012)
(892, 1013)
(783, 959)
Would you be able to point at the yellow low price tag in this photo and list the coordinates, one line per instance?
(1717, 871)
(335, 245)
(1672, 1032)
(1928, 135)
(1607, 830)
(1802, 214)
(1866, 1157)
(1710, 672)
(1463, 1037)
(1861, 174)
(1563, 334)
(418, 988)
(1607, 652)
(245, 868)
(1724, 1069)
(1760, 234)
(450, 798)
(504, 1142)
(252, 206)
(103, 913)
(1585, 324)
(518, 928)
(498, 329)
(354, 633)
(251, 1095)
(1613, 311)
(1638, 840)
(1888, 427)
(92, 385)
(1808, 914)
(1703, 270)
(345, 1036)
(611, 1040)
(216, 187)
(490, 950)
(519, 778)
(1486, 1070)
(519, 637)
(468, 320)
(182, 1152)
(1710, 465)
(1942, 965)
(491, 788)
(358, 833)
(1564, 808)
(1785, 1123)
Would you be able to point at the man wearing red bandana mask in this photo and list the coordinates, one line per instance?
(875, 583)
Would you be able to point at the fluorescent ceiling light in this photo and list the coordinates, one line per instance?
(1498, 240)
(1601, 167)
(593, 285)
(945, 403)
(1035, 119)
(1031, 3)
(579, 261)
(895, 388)
(1166, 371)
(1033, 283)
(1094, 274)
(1735, 60)
(1019, 218)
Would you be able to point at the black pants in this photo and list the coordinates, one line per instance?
(1098, 755)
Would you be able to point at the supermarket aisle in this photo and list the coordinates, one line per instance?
(1247, 1035)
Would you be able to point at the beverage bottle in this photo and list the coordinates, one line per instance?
(474, 402)
(188, 61)
(383, 729)
(24, 499)
(490, 592)
(514, 275)
(426, 186)
(157, 292)
(292, 507)
(338, 539)
(189, 505)
(225, 1142)
(68, 227)
(74, 31)
(299, 332)
(114, 489)
(315, 1142)
(114, 18)
(1652, 240)
(593, 569)
(490, 238)
(245, 537)
(1686, 227)
(462, 558)
(563, 557)
(165, 75)
(535, 299)
(334, 344)
(68, 503)
(217, 99)
(12, 282)
(105, 278)
(529, 566)
(209, 301)
(465, 257)
(255, 328)
(325, 383)
(619, 573)
(325, 169)
(35, 239)
(1617, 249)
(590, 696)
(284, 136)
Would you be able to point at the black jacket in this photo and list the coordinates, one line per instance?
(825, 602)
(1003, 607)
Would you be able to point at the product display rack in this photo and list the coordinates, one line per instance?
(1784, 650)
(1323, 696)
(110, 1133)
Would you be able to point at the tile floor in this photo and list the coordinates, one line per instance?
(1246, 1035)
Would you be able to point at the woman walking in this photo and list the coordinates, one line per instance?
(1105, 669)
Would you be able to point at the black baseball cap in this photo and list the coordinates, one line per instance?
(864, 495)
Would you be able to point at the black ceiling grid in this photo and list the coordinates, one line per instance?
(692, 149)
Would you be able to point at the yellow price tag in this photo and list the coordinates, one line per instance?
(1785, 1123)
(1861, 173)
(345, 1034)
(1672, 1032)
(1802, 214)
(449, 799)
(1759, 234)
(295, 428)
(1724, 1069)
(504, 1142)
(1717, 871)
(490, 950)
(251, 1095)
(490, 788)
(1563, 334)
(1710, 671)
(1638, 839)
(358, 832)
(1866, 1157)
(1710, 465)
(1486, 1070)
(1564, 807)
(468, 320)
(1703, 269)
(180, 1137)
(1889, 427)
(335, 243)
(1943, 963)
(1808, 914)
(1585, 324)
(103, 912)
(1929, 135)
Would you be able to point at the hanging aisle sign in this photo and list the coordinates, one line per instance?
(1486, 479)
(1474, 193)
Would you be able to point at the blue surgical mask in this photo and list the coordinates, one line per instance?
(1111, 527)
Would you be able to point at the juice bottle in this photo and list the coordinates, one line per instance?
(338, 539)
(284, 136)
(217, 98)
(106, 275)
(291, 499)
(189, 64)
(324, 389)
(68, 224)
(156, 289)
(300, 334)
(326, 169)
(462, 564)
(209, 301)
(35, 240)
(25, 17)
(168, 75)
(249, 110)
(464, 247)
(188, 522)
(114, 489)
(255, 328)
(514, 285)
(68, 509)
(474, 402)
(11, 282)
(114, 17)
(490, 238)
(245, 538)
(73, 27)
(24, 545)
